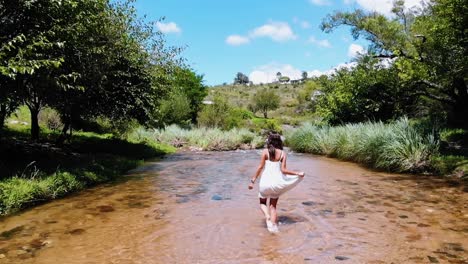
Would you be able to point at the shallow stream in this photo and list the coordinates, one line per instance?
(195, 207)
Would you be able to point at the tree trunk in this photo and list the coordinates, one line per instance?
(34, 122)
(460, 109)
(2, 118)
(265, 114)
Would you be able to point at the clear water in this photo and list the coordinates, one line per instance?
(196, 208)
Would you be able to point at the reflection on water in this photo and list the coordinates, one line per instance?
(195, 208)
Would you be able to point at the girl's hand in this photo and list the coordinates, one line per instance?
(251, 186)
(301, 174)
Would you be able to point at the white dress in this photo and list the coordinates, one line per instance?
(273, 182)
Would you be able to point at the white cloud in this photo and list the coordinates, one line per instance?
(317, 73)
(321, 43)
(382, 6)
(354, 50)
(267, 73)
(320, 2)
(236, 40)
(166, 28)
(277, 31)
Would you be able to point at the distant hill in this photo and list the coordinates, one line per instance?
(289, 112)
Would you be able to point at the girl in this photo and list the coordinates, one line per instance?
(274, 180)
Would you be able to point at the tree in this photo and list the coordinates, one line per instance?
(241, 78)
(215, 114)
(9, 99)
(176, 109)
(27, 52)
(370, 91)
(265, 100)
(309, 88)
(428, 47)
(304, 75)
(85, 58)
(186, 81)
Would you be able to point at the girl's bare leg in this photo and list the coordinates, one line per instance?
(264, 208)
(273, 214)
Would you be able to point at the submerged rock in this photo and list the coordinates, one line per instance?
(291, 219)
(77, 231)
(341, 258)
(105, 208)
(10, 233)
(432, 259)
(216, 197)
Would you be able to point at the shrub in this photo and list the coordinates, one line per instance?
(444, 165)
(396, 147)
(51, 119)
(176, 109)
(259, 125)
(206, 138)
(214, 115)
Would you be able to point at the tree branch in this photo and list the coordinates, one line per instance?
(430, 84)
(383, 56)
(435, 97)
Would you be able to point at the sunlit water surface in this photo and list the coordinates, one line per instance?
(195, 208)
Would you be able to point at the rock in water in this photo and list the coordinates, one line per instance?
(341, 258)
(433, 259)
(105, 208)
(216, 197)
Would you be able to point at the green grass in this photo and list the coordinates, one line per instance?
(395, 147)
(34, 172)
(18, 192)
(204, 138)
(453, 158)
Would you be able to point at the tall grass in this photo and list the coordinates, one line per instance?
(204, 138)
(396, 147)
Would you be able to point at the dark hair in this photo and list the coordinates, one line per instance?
(274, 142)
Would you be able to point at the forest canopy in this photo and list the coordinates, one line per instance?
(87, 59)
(415, 65)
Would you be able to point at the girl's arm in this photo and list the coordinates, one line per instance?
(285, 171)
(259, 169)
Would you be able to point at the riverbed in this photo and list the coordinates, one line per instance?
(195, 207)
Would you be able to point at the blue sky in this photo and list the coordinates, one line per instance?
(257, 37)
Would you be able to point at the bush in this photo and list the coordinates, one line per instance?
(176, 109)
(236, 118)
(215, 114)
(459, 136)
(260, 125)
(396, 147)
(51, 119)
(205, 138)
(444, 165)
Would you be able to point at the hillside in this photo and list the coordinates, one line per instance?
(290, 112)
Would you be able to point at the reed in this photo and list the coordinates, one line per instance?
(204, 138)
(397, 146)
